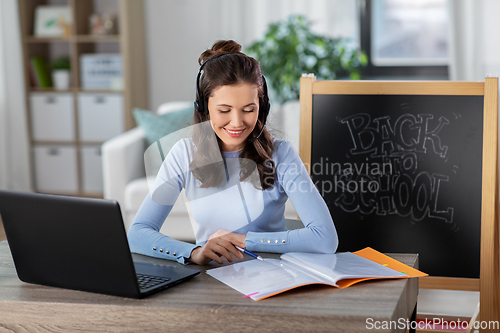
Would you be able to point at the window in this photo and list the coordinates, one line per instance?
(405, 39)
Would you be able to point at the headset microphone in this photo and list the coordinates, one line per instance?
(253, 139)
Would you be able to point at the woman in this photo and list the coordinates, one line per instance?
(236, 176)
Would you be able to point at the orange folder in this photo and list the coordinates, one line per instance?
(382, 259)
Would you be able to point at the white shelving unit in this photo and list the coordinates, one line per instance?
(67, 127)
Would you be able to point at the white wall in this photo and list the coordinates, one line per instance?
(178, 31)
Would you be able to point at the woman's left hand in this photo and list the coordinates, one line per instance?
(220, 244)
(234, 238)
(231, 238)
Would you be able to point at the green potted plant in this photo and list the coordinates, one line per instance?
(61, 72)
(290, 48)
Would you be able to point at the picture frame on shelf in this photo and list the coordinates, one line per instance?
(52, 21)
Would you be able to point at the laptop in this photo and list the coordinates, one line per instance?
(78, 243)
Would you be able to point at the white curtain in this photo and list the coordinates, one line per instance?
(464, 39)
(473, 34)
(15, 168)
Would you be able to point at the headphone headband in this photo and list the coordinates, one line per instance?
(199, 103)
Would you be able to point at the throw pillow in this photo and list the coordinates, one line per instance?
(157, 126)
(157, 129)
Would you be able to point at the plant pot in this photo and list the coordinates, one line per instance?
(60, 79)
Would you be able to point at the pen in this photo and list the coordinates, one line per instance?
(251, 254)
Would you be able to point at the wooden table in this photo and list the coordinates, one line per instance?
(203, 304)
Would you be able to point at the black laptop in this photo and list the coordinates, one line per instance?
(78, 243)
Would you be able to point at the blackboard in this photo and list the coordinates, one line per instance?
(403, 173)
(438, 194)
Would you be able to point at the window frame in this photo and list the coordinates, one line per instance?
(372, 71)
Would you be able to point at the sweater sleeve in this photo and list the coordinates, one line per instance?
(144, 234)
(319, 234)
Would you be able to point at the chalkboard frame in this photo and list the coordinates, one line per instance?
(489, 282)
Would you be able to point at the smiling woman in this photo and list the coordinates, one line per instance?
(232, 79)
(236, 176)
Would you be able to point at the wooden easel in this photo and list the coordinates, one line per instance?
(489, 283)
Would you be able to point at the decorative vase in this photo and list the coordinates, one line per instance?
(60, 79)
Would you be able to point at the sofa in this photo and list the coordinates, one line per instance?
(125, 170)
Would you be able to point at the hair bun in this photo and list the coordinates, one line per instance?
(221, 46)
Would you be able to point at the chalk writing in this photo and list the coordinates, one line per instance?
(408, 190)
(407, 134)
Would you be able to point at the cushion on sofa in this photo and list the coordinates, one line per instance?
(161, 133)
(158, 126)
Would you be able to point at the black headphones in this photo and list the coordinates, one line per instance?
(200, 102)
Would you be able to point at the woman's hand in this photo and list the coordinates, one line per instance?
(219, 244)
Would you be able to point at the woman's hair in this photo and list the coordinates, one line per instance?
(232, 68)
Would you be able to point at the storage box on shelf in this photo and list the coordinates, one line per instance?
(68, 126)
(52, 117)
(56, 169)
(90, 157)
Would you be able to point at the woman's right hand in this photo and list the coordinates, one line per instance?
(219, 244)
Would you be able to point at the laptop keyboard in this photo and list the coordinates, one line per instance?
(148, 281)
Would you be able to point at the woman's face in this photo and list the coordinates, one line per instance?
(233, 114)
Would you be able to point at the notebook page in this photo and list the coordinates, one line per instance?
(345, 265)
(261, 279)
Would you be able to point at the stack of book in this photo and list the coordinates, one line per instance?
(39, 73)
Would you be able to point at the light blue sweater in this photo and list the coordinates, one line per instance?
(234, 206)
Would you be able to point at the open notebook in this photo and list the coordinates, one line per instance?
(261, 279)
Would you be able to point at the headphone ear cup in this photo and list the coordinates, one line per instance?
(199, 105)
(203, 106)
(265, 109)
(266, 105)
